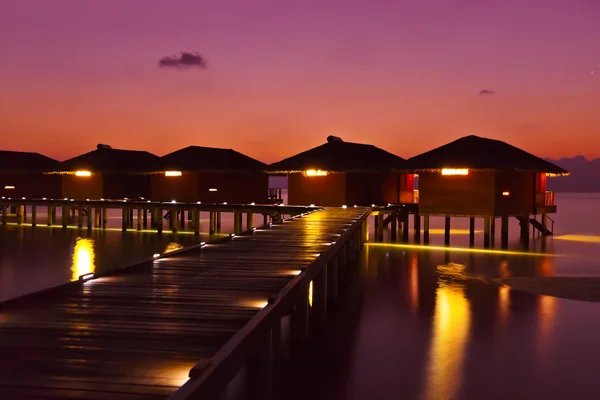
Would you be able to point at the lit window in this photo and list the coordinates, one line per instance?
(315, 172)
(455, 171)
(83, 173)
(172, 173)
(505, 194)
(9, 187)
(212, 190)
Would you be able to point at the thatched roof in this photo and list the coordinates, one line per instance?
(479, 153)
(18, 161)
(107, 159)
(339, 156)
(197, 158)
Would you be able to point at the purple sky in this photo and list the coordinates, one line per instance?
(282, 75)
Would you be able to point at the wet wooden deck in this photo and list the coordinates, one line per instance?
(137, 334)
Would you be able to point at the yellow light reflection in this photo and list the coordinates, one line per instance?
(455, 171)
(452, 231)
(461, 249)
(253, 303)
(172, 247)
(504, 303)
(548, 307)
(310, 293)
(83, 258)
(315, 172)
(83, 173)
(451, 330)
(414, 283)
(579, 238)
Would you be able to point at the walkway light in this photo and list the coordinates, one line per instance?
(172, 173)
(315, 172)
(455, 171)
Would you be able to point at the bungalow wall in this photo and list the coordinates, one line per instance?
(398, 188)
(106, 185)
(472, 194)
(515, 192)
(329, 190)
(241, 188)
(31, 185)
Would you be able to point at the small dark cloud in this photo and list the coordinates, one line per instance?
(186, 60)
(486, 91)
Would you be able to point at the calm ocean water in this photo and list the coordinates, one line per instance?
(419, 323)
(427, 324)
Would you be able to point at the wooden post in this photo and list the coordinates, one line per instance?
(139, 219)
(237, 222)
(173, 220)
(104, 217)
(380, 218)
(393, 228)
(472, 231)
(405, 231)
(319, 302)
(504, 232)
(259, 377)
(524, 225)
(544, 223)
(447, 231)
(218, 222)
(486, 232)
(79, 217)
(196, 221)
(417, 227)
(332, 280)
(249, 221)
(182, 219)
(145, 218)
(4, 212)
(265, 219)
(212, 223)
(20, 214)
(426, 229)
(157, 213)
(65, 216)
(33, 215)
(130, 219)
(50, 215)
(124, 219)
(492, 231)
(98, 218)
(90, 218)
(53, 215)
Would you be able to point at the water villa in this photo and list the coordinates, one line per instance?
(480, 177)
(341, 173)
(210, 175)
(107, 173)
(22, 175)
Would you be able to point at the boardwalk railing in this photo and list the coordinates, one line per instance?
(258, 344)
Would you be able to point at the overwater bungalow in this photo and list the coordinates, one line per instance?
(210, 175)
(341, 173)
(480, 177)
(22, 175)
(107, 173)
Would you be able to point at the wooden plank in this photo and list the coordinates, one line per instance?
(137, 334)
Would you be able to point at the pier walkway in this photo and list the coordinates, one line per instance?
(137, 334)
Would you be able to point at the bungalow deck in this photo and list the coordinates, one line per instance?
(137, 334)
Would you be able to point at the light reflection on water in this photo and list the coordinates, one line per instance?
(83, 258)
(424, 324)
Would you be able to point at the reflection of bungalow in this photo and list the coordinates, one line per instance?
(210, 175)
(107, 173)
(475, 176)
(21, 175)
(342, 173)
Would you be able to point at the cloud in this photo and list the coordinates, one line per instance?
(486, 91)
(186, 60)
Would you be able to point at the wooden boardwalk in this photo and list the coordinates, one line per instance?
(136, 335)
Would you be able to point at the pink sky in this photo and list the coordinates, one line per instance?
(403, 75)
